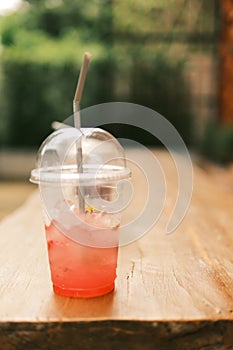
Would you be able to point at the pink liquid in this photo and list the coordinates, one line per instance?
(77, 270)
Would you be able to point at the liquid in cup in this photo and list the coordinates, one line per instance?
(82, 247)
(92, 269)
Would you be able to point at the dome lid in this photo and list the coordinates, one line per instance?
(80, 156)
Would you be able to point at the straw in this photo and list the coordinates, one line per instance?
(58, 125)
(77, 123)
(79, 89)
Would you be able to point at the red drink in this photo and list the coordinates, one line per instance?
(78, 270)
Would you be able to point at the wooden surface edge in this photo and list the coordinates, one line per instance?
(160, 335)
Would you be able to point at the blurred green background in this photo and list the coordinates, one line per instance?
(161, 54)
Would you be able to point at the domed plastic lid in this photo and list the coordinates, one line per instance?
(80, 156)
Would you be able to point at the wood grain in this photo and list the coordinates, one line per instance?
(172, 291)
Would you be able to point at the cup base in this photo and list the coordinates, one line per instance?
(84, 293)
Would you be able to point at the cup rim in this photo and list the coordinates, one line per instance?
(68, 174)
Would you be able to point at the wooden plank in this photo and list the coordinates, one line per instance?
(174, 287)
(221, 175)
(133, 335)
(13, 195)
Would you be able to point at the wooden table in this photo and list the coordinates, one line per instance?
(172, 291)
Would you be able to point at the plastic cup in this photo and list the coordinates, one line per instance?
(82, 242)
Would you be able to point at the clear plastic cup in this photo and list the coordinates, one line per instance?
(82, 203)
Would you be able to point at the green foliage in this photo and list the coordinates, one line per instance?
(37, 47)
(164, 17)
(39, 89)
(41, 58)
(9, 27)
(218, 142)
(166, 88)
(57, 17)
(43, 51)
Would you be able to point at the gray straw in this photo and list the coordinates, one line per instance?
(77, 123)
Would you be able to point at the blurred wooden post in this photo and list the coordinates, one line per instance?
(226, 62)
